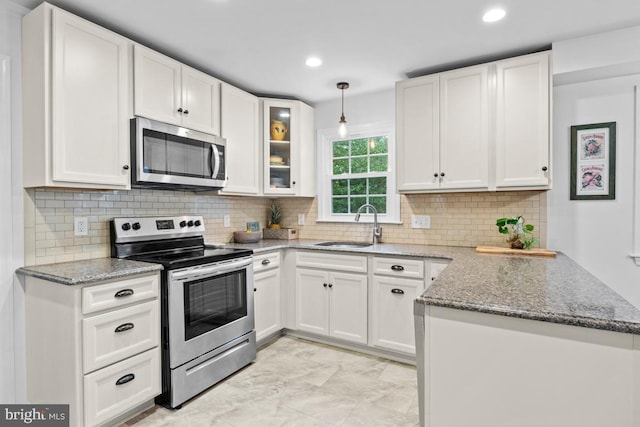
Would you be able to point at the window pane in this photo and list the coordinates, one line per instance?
(359, 147)
(380, 202)
(340, 187)
(378, 145)
(378, 163)
(356, 202)
(340, 166)
(340, 205)
(340, 148)
(359, 165)
(378, 185)
(358, 186)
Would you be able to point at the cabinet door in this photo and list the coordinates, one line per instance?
(90, 114)
(435, 268)
(304, 153)
(240, 118)
(522, 121)
(464, 128)
(348, 307)
(200, 101)
(280, 128)
(157, 86)
(418, 134)
(392, 317)
(312, 301)
(267, 302)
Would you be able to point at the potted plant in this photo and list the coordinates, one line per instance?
(276, 215)
(520, 233)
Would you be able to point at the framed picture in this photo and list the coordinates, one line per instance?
(593, 162)
(253, 226)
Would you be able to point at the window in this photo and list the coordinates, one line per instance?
(357, 170)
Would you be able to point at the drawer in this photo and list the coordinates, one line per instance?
(112, 391)
(115, 335)
(120, 293)
(332, 261)
(399, 267)
(266, 261)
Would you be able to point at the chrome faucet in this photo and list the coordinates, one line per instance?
(377, 230)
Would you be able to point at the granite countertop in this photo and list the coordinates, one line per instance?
(88, 271)
(539, 288)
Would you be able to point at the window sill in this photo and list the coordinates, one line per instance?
(362, 221)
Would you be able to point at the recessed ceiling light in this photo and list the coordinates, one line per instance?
(313, 61)
(494, 15)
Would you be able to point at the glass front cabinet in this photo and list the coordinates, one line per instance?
(289, 148)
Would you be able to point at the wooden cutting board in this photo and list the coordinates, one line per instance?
(509, 251)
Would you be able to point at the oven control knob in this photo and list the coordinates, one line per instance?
(183, 224)
(190, 223)
(126, 226)
(197, 223)
(136, 226)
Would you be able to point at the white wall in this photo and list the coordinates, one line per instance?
(12, 374)
(363, 109)
(598, 235)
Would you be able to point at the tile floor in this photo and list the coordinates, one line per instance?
(296, 382)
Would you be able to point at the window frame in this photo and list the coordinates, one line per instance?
(325, 139)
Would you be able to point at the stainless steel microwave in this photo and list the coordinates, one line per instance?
(173, 157)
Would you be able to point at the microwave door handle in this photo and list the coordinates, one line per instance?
(215, 161)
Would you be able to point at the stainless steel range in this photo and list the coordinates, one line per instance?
(207, 301)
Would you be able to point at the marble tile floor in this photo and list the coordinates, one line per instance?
(295, 382)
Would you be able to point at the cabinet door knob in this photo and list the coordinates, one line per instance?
(324, 284)
(441, 173)
(293, 183)
(186, 111)
(435, 175)
(180, 110)
(125, 167)
(397, 268)
(255, 289)
(544, 168)
(433, 278)
(397, 291)
(331, 285)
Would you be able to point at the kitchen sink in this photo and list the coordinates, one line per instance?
(344, 244)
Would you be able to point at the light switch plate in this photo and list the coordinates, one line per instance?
(300, 219)
(226, 221)
(420, 221)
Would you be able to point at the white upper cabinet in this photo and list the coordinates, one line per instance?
(477, 128)
(289, 148)
(170, 92)
(464, 135)
(522, 121)
(240, 112)
(76, 103)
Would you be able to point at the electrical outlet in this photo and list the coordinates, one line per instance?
(300, 219)
(80, 226)
(226, 220)
(420, 221)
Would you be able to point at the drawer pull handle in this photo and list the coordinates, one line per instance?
(125, 379)
(397, 268)
(397, 291)
(124, 327)
(266, 262)
(124, 293)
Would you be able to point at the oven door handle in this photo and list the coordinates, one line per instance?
(211, 270)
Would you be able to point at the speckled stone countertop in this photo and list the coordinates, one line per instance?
(539, 288)
(88, 271)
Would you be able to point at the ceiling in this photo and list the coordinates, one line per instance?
(261, 46)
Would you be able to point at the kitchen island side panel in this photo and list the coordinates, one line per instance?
(498, 371)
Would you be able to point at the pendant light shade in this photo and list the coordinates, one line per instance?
(342, 128)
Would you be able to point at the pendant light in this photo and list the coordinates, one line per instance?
(342, 128)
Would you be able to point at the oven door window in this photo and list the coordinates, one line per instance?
(214, 302)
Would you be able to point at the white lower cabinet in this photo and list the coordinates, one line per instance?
(266, 295)
(329, 302)
(396, 283)
(94, 347)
